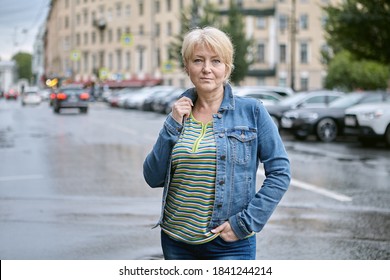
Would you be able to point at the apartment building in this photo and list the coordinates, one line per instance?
(126, 42)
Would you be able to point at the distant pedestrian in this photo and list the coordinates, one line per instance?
(206, 158)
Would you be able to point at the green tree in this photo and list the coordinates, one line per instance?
(23, 61)
(198, 15)
(361, 27)
(235, 27)
(347, 73)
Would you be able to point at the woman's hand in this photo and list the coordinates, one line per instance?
(225, 232)
(182, 108)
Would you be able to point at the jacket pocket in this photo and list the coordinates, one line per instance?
(241, 140)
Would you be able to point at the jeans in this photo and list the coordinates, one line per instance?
(217, 249)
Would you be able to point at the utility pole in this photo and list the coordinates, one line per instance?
(293, 32)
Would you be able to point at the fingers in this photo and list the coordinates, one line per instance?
(182, 108)
(225, 232)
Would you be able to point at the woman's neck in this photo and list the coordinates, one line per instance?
(206, 105)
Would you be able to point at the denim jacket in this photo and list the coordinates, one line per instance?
(245, 135)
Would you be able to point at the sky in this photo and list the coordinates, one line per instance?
(19, 23)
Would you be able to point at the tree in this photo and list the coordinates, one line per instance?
(361, 27)
(236, 29)
(209, 15)
(23, 61)
(347, 73)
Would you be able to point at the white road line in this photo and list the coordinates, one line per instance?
(314, 188)
(21, 177)
(321, 191)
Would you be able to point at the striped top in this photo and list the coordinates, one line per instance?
(191, 192)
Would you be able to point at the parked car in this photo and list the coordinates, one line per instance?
(71, 97)
(325, 123)
(31, 98)
(165, 105)
(267, 97)
(370, 122)
(311, 99)
(159, 93)
(11, 94)
(279, 90)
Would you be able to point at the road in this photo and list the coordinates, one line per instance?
(71, 187)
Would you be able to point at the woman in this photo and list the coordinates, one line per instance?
(206, 158)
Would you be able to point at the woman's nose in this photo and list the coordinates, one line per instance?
(206, 67)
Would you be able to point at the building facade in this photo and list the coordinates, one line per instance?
(127, 41)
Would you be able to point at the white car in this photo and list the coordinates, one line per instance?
(31, 98)
(369, 122)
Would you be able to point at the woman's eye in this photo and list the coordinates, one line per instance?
(197, 61)
(216, 61)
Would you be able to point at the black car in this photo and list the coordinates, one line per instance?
(71, 97)
(326, 123)
(311, 99)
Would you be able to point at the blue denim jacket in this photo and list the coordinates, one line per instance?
(245, 135)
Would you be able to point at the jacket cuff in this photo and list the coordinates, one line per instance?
(172, 125)
(239, 227)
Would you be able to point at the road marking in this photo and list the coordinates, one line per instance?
(321, 191)
(315, 189)
(21, 177)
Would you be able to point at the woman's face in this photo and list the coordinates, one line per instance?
(206, 69)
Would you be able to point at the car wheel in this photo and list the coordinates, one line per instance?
(387, 136)
(84, 110)
(56, 110)
(326, 130)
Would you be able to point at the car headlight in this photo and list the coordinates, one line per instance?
(373, 114)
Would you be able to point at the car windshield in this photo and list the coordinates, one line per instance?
(291, 100)
(73, 90)
(346, 101)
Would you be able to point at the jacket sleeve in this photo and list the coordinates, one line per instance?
(272, 153)
(156, 164)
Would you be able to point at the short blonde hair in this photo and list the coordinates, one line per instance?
(213, 38)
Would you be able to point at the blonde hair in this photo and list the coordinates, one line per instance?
(215, 39)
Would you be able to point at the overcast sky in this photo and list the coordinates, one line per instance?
(19, 23)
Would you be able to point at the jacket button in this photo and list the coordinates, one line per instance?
(219, 116)
(219, 205)
(223, 157)
(222, 182)
(221, 135)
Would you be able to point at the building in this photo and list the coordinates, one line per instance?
(126, 42)
(8, 75)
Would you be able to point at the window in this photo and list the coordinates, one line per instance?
(128, 61)
(110, 61)
(157, 30)
(86, 61)
(118, 8)
(141, 30)
(119, 59)
(66, 23)
(282, 53)
(93, 37)
(304, 53)
(118, 34)
(109, 33)
(260, 56)
(283, 22)
(169, 5)
(260, 22)
(157, 6)
(305, 84)
(128, 10)
(78, 39)
(86, 38)
(140, 58)
(169, 28)
(304, 22)
(140, 7)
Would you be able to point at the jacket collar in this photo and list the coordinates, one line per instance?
(227, 102)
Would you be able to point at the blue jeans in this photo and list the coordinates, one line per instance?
(217, 249)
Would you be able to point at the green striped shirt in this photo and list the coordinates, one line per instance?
(191, 193)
